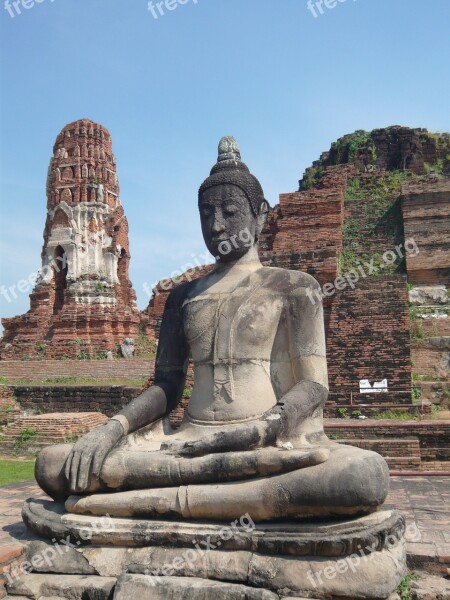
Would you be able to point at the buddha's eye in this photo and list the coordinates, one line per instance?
(205, 211)
(230, 210)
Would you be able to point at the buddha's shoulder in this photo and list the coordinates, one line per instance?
(286, 280)
(180, 293)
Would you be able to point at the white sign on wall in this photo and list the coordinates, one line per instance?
(378, 386)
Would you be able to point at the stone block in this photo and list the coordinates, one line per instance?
(155, 588)
(70, 587)
(289, 559)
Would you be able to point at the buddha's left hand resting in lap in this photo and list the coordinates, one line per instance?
(252, 438)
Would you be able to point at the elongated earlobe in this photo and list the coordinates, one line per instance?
(262, 218)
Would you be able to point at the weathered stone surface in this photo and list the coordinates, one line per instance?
(70, 587)
(329, 538)
(429, 295)
(153, 588)
(426, 207)
(127, 348)
(278, 556)
(430, 588)
(62, 559)
(372, 577)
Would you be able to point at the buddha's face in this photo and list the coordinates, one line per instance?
(228, 224)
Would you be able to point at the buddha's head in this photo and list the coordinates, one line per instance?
(232, 205)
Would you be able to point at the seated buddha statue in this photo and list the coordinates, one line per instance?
(252, 439)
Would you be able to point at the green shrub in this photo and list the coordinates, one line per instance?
(403, 588)
(26, 435)
(416, 392)
(435, 410)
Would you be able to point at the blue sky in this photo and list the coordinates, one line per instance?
(284, 83)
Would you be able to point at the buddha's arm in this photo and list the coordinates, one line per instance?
(170, 375)
(307, 355)
(88, 453)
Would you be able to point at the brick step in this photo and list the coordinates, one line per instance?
(9, 410)
(431, 435)
(15, 370)
(51, 429)
(375, 408)
(396, 446)
(51, 438)
(430, 453)
(6, 392)
(434, 465)
(402, 461)
(398, 453)
(42, 425)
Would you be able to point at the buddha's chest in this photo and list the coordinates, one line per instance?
(242, 324)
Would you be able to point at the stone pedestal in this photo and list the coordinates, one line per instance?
(359, 558)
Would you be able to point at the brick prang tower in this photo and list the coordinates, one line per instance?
(83, 302)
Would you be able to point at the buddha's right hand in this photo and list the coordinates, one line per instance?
(245, 436)
(88, 454)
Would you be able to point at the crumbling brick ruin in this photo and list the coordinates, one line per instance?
(83, 303)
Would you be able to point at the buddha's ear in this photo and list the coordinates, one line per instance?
(262, 216)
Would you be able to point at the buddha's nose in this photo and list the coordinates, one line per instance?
(218, 226)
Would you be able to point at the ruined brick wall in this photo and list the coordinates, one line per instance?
(391, 148)
(426, 217)
(304, 231)
(431, 358)
(59, 399)
(368, 338)
(107, 400)
(433, 435)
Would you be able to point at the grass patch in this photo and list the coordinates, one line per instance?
(435, 411)
(395, 415)
(404, 587)
(15, 470)
(77, 381)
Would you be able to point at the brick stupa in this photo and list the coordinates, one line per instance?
(83, 302)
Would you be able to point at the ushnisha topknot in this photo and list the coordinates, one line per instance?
(230, 170)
